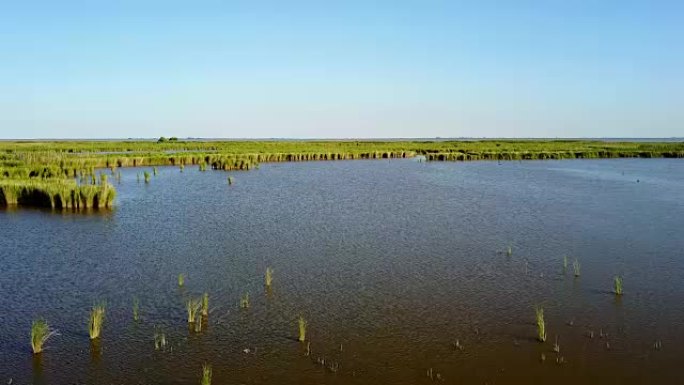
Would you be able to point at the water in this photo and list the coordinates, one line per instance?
(391, 262)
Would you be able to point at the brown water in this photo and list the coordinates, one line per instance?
(391, 263)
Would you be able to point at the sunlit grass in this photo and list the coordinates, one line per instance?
(96, 320)
(206, 374)
(136, 309)
(205, 304)
(159, 339)
(244, 301)
(181, 279)
(617, 285)
(146, 174)
(302, 328)
(541, 325)
(269, 277)
(193, 306)
(40, 333)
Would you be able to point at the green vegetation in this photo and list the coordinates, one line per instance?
(40, 333)
(302, 329)
(193, 306)
(136, 309)
(159, 339)
(244, 301)
(147, 176)
(45, 168)
(205, 304)
(617, 283)
(206, 374)
(565, 263)
(541, 326)
(154, 171)
(576, 267)
(181, 280)
(230, 180)
(269, 277)
(95, 322)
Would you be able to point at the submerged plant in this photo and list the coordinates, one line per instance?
(205, 304)
(244, 301)
(40, 333)
(95, 322)
(302, 329)
(206, 374)
(230, 180)
(154, 170)
(576, 267)
(181, 279)
(541, 326)
(182, 167)
(198, 324)
(617, 282)
(193, 306)
(159, 339)
(147, 176)
(269, 277)
(136, 309)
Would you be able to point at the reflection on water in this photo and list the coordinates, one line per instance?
(401, 269)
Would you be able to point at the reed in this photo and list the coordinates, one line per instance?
(268, 277)
(136, 309)
(244, 301)
(154, 171)
(230, 180)
(617, 285)
(147, 176)
(96, 320)
(509, 252)
(302, 329)
(576, 267)
(40, 333)
(205, 304)
(181, 280)
(203, 166)
(541, 326)
(181, 167)
(159, 339)
(193, 306)
(565, 263)
(206, 374)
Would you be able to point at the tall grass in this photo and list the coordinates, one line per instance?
(541, 326)
(96, 320)
(40, 333)
(302, 328)
(268, 278)
(565, 263)
(136, 309)
(244, 301)
(206, 374)
(147, 176)
(181, 280)
(154, 171)
(159, 339)
(193, 306)
(576, 267)
(230, 180)
(205, 304)
(617, 285)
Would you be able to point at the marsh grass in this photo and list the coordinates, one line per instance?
(203, 166)
(96, 320)
(155, 171)
(617, 285)
(302, 328)
(268, 277)
(576, 267)
(206, 374)
(541, 325)
(136, 309)
(205, 304)
(40, 333)
(509, 252)
(181, 280)
(181, 167)
(198, 324)
(565, 263)
(244, 301)
(193, 306)
(230, 180)
(146, 174)
(159, 339)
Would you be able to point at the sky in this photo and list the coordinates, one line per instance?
(341, 69)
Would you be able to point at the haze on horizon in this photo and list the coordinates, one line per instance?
(82, 69)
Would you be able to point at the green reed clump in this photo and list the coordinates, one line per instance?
(181, 280)
(302, 329)
(198, 324)
(159, 339)
(203, 166)
(205, 304)
(617, 285)
(147, 176)
(193, 306)
(206, 374)
(182, 167)
(96, 320)
(136, 309)
(541, 326)
(565, 263)
(268, 277)
(244, 301)
(40, 333)
(155, 171)
(576, 267)
(230, 180)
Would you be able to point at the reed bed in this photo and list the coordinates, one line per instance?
(40, 333)
(193, 306)
(96, 320)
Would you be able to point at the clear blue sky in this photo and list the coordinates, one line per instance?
(93, 69)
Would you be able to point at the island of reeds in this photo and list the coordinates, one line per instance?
(63, 174)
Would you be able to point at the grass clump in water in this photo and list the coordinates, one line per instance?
(96, 320)
(617, 283)
(230, 180)
(269, 277)
(155, 171)
(302, 329)
(205, 304)
(576, 267)
(159, 339)
(193, 306)
(244, 301)
(541, 325)
(40, 333)
(206, 374)
(136, 309)
(181, 280)
(147, 176)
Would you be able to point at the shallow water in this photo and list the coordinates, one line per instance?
(391, 262)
